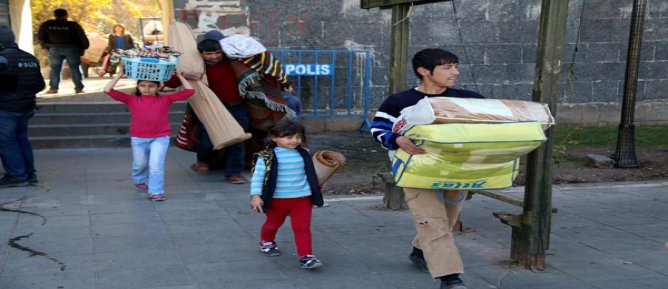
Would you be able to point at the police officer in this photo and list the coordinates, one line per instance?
(65, 40)
(20, 80)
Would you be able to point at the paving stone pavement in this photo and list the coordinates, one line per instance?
(86, 227)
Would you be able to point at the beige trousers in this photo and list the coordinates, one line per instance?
(434, 220)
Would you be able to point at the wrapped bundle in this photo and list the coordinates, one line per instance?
(267, 63)
(465, 156)
(259, 77)
(259, 74)
(262, 92)
(223, 129)
(326, 164)
(435, 110)
(241, 46)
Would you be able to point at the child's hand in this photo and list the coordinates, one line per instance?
(181, 75)
(184, 80)
(256, 204)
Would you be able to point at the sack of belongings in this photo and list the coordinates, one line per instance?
(465, 156)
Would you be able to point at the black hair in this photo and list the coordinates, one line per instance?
(208, 45)
(286, 85)
(137, 93)
(432, 57)
(60, 12)
(286, 127)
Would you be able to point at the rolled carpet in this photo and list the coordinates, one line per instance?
(221, 126)
(327, 163)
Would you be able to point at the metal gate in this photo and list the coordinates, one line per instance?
(329, 83)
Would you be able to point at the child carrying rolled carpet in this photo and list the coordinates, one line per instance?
(284, 183)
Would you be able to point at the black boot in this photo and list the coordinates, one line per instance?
(417, 257)
(452, 282)
(32, 178)
(9, 181)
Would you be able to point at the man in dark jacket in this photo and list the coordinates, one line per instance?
(65, 40)
(20, 80)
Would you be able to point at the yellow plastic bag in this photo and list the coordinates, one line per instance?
(466, 156)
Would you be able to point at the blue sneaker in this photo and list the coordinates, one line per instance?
(269, 249)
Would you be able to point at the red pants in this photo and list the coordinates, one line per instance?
(299, 210)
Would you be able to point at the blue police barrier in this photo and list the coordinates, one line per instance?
(330, 83)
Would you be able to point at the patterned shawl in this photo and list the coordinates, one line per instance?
(262, 91)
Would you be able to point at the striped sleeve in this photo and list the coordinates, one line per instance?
(258, 177)
(387, 115)
(381, 130)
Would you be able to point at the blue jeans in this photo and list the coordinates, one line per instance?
(73, 57)
(15, 148)
(234, 154)
(148, 162)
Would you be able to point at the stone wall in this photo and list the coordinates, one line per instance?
(4, 12)
(495, 40)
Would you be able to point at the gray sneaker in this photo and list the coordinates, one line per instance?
(309, 262)
(156, 197)
(269, 249)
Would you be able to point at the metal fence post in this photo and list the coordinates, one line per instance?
(625, 154)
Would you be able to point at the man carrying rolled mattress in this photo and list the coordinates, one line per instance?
(433, 246)
(223, 83)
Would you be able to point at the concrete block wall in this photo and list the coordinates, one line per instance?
(4, 12)
(495, 40)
